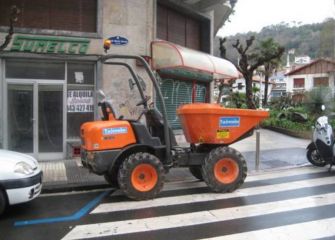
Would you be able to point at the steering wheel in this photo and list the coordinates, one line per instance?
(144, 101)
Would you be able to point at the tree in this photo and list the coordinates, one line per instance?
(12, 19)
(250, 60)
(327, 35)
(221, 83)
(265, 47)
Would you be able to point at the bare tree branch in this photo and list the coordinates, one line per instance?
(12, 19)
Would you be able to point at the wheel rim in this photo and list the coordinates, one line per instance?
(144, 177)
(226, 170)
(316, 157)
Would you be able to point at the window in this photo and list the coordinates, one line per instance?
(71, 15)
(178, 28)
(35, 69)
(80, 97)
(298, 83)
(321, 81)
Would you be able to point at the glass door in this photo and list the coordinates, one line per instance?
(20, 118)
(50, 121)
(35, 119)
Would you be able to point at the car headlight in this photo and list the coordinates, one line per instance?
(23, 168)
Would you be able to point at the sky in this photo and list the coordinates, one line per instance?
(253, 15)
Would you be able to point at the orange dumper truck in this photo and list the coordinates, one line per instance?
(135, 157)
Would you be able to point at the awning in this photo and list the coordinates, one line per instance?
(172, 59)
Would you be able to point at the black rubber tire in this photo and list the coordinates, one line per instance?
(3, 202)
(128, 166)
(208, 166)
(112, 179)
(314, 157)
(196, 171)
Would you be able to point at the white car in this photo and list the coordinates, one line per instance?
(20, 178)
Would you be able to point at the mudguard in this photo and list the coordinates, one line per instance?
(311, 146)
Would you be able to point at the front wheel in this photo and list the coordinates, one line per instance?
(141, 176)
(224, 169)
(2, 202)
(314, 157)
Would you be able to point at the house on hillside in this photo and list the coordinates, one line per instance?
(257, 82)
(279, 87)
(320, 72)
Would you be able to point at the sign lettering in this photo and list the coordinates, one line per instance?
(80, 101)
(229, 121)
(50, 45)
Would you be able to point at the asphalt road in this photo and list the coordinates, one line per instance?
(296, 203)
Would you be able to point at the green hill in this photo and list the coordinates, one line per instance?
(314, 40)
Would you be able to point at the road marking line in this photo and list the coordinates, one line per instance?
(196, 218)
(77, 215)
(309, 230)
(284, 173)
(192, 198)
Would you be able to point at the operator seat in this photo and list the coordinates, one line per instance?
(155, 124)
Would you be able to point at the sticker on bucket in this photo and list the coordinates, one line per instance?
(115, 130)
(229, 121)
(222, 134)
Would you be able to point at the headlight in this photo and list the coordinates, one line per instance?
(23, 168)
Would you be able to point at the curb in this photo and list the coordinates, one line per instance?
(302, 135)
(76, 187)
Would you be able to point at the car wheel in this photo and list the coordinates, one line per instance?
(2, 201)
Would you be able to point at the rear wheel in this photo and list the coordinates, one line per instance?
(111, 178)
(314, 157)
(224, 169)
(2, 201)
(141, 176)
(196, 172)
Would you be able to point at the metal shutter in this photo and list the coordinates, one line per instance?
(178, 28)
(177, 92)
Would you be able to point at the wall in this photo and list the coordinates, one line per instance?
(309, 80)
(133, 20)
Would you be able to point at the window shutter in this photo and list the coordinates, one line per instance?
(174, 93)
(70, 15)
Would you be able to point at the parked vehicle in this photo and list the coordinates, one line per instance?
(135, 157)
(320, 152)
(20, 178)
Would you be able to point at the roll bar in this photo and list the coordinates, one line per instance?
(104, 59)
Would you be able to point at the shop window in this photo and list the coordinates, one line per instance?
(80, 97)
(298, 83)
(36, 69)
(71, 15)
(321, 81)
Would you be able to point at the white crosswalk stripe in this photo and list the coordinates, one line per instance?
(218, 214)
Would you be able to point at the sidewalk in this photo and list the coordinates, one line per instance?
(277, 151)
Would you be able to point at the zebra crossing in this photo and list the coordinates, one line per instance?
(291, 204)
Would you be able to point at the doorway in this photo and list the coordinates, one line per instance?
(35, 118)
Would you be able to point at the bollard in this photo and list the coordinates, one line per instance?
(258, 134)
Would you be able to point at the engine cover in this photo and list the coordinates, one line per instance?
(106, 135)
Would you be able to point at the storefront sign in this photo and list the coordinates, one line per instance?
(35, 44)
(80, 101)
(118, 40)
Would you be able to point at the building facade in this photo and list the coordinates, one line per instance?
(50, 71)
(320, 72)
